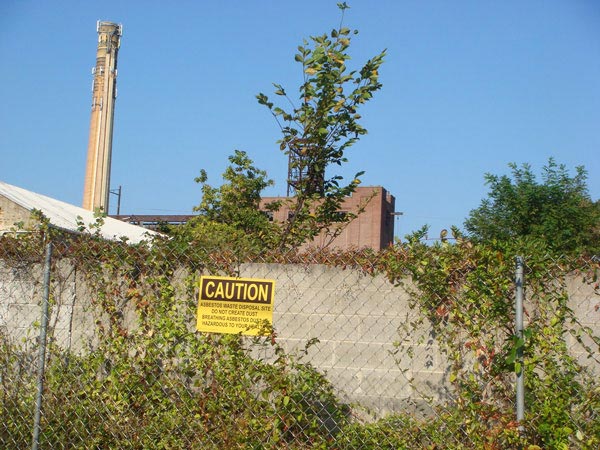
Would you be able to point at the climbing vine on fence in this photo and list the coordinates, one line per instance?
(466, 292)
(149, 380)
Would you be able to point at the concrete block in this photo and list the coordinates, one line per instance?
(23, 315)
(364, 355)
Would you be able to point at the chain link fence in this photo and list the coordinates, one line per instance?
(414, 347)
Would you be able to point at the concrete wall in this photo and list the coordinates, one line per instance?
(357, 319)
(72, 317)
(584, 300)
(366, 345)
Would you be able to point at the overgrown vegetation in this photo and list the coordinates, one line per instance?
(466, 291)
(230, 215)
(156, 383)
(317, 127)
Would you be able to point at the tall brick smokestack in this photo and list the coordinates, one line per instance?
(104, 92)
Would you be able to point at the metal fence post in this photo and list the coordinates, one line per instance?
(42, 344)
(520, 388)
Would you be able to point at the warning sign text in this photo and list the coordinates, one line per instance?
(235, 305)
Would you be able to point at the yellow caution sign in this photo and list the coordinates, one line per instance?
(235, 305)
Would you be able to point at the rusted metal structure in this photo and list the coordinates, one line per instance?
(104, 92)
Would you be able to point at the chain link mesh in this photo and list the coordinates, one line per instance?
(386, 350)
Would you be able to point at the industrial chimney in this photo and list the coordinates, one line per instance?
(104, 92)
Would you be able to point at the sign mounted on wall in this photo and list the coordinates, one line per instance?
(235, 305)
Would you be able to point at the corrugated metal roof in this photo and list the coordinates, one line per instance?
(66, 216)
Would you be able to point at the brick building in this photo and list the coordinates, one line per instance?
(373, 228)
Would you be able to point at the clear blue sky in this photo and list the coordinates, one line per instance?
(468, 86)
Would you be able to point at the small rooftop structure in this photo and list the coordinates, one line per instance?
(18, 204)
